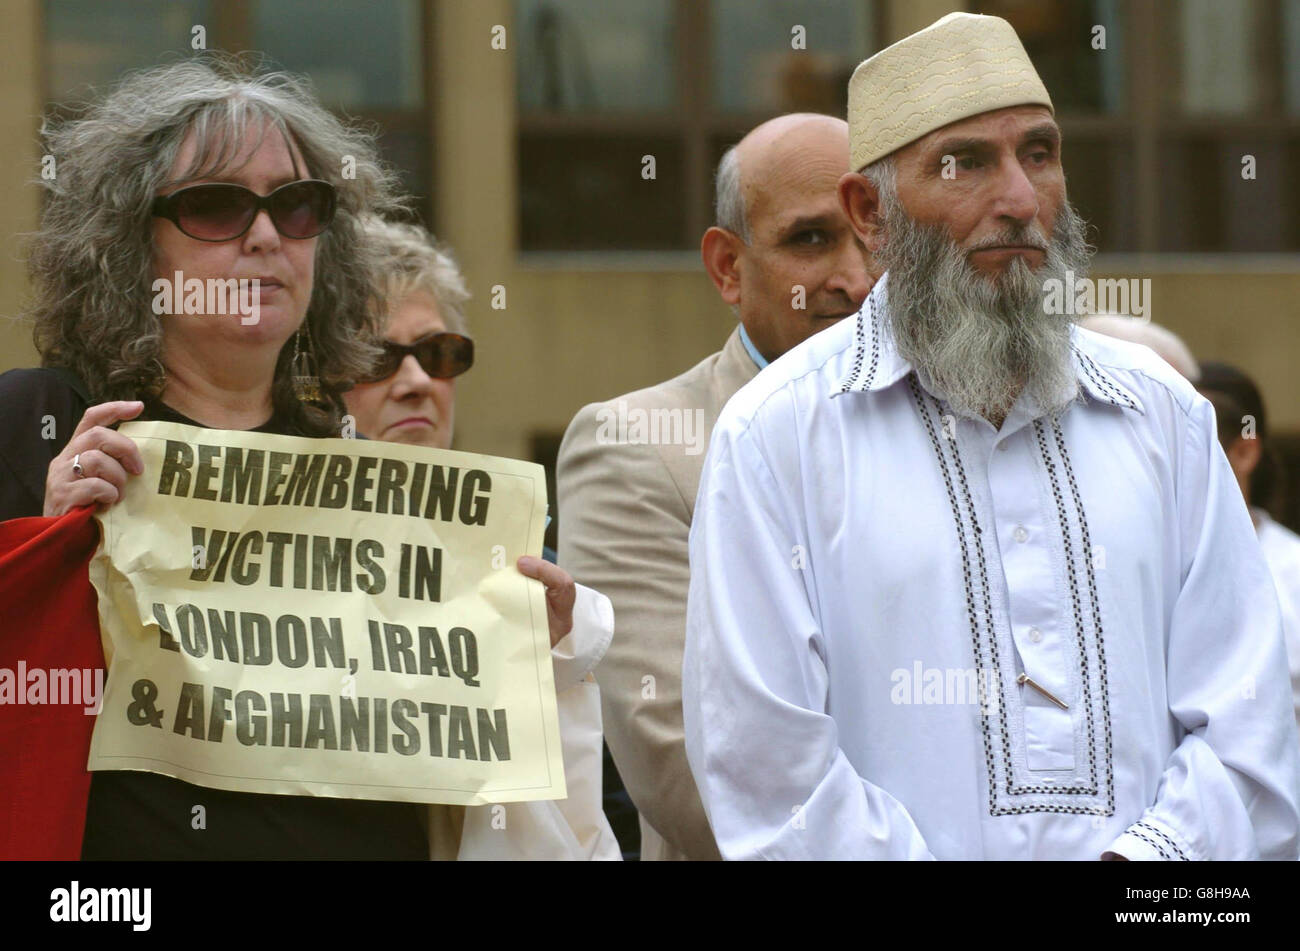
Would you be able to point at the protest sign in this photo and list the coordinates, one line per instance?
(331, 617)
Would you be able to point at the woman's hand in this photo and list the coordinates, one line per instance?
(105, 457)
(561, 593)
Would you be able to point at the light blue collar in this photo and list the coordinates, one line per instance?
(753, 350)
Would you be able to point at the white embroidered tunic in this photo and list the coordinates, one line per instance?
(913, 635)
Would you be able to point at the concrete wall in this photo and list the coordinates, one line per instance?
(20, 106)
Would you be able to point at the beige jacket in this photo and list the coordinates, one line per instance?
(625, 517)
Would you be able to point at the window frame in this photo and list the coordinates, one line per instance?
(1146, 125)
(1143, 125)
(693, 119)
(230, 28)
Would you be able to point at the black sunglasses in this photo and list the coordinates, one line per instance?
(441, 355)
(221, 211)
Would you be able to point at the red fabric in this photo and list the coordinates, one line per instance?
(49, 621)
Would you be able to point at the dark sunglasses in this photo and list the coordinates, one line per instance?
(441, 355)
(221, 211)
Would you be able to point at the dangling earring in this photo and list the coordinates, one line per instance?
(306, 384)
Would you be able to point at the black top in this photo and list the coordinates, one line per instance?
(139, 815)
(40, 413)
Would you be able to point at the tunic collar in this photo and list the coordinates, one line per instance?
(875, 364)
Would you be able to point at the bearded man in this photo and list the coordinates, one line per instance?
(968, 581)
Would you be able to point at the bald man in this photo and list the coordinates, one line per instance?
(783, 256)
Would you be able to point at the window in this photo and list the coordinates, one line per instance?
(365, 57)
(626, 106)
(1225, 108)
(91, 44)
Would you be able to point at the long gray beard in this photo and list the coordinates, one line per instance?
(978, 341)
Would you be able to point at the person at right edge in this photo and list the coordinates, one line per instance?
(1243, 433)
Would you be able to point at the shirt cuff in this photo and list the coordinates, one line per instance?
(579, 651)
(1150, 840)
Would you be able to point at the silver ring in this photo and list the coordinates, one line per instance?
(76, 466)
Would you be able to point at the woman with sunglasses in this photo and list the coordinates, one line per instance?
(409, 393)
(205, 169)
(410, 396)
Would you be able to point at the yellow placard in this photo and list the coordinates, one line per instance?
(331, 617)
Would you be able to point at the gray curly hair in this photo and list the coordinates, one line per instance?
(412, 261)
(90, 264)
